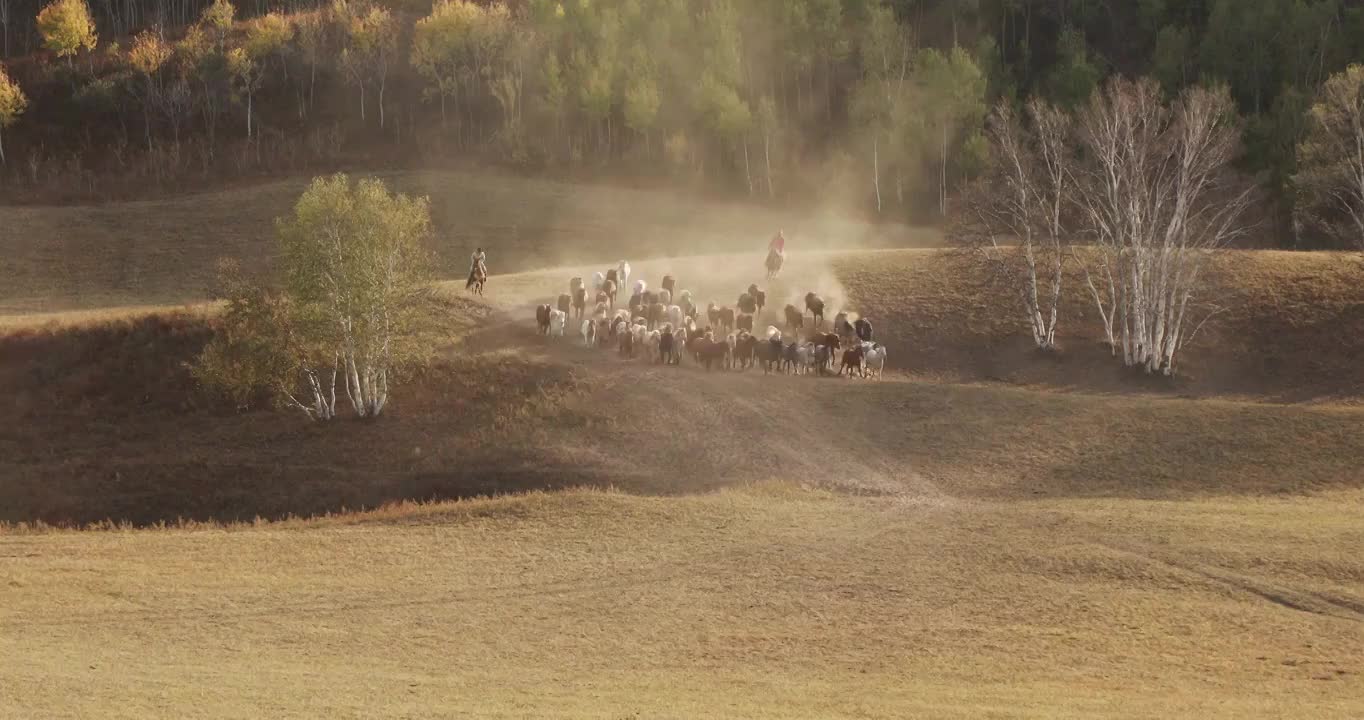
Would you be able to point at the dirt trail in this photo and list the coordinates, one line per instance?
(738, 425)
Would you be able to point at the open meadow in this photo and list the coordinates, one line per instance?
(538, 529)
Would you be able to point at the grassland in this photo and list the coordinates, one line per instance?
(61, 259)
(985, 533)
(769, 601)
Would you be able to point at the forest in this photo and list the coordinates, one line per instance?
(777, 100)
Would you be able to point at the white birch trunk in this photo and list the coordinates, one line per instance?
(767, 160)
(748, 171)
(876, 169)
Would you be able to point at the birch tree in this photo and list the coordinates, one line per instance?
(12, 105)
(247, 74)
(200, 61)
(766, 118)
(951, 92)
(440, 48)
(266, 38)
(509, 49)
(348, 310)
(1015, 216)
(354, 265)
(879, 100)
(642, 100)
(382, 29)
(147, 56)
(1331, 158)
(67, 28)
(263, 349)
(218, 18)
(312, 48)
(371, 39)
(1158, 195)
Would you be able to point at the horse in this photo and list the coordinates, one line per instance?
(759, 297)
(815, 304)
(478, 277)
(609, 288)
(579, 302)
(774, 262)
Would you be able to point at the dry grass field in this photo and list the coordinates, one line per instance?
(983, 533)
(769, 601)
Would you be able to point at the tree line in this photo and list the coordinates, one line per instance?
(769, 98)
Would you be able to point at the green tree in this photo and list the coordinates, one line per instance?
(12, 105)
(67, 28)
(831, 47)
(353, 257)
(1239, 48)
(312, 49)
(147, 56)
(880, 101)
(952, 95)
(1331, 164)
(504, 49)
(371, 43)
(554, 91)
(264, 349)
(442, 48)
(247, 76)
(201, 62)
(1172, 61)
(770, 127)
(266, 38)
(218, 19)
(1075, 75)
(354, 273)
(642, 99)
(594, 66)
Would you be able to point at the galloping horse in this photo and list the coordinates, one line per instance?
(774, 263)
(478, 277)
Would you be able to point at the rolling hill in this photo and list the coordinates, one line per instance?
(985, 532)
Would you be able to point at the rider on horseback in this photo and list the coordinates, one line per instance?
(776, 254)
(478, 267)
(778, 244)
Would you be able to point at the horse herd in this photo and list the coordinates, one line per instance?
(663, 326)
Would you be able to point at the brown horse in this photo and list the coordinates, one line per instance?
(774, 262)
(478, 277)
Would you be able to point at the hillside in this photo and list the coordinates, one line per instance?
(66, 258)
(966, 408)
(985, 532)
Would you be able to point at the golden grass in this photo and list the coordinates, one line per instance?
(505, 410)
(770, 601)
(986, 533)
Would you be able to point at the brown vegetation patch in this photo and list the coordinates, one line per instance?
(1284, 327)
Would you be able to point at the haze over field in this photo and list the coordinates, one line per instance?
(982, 532)
(668, 359)
(161, 252)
